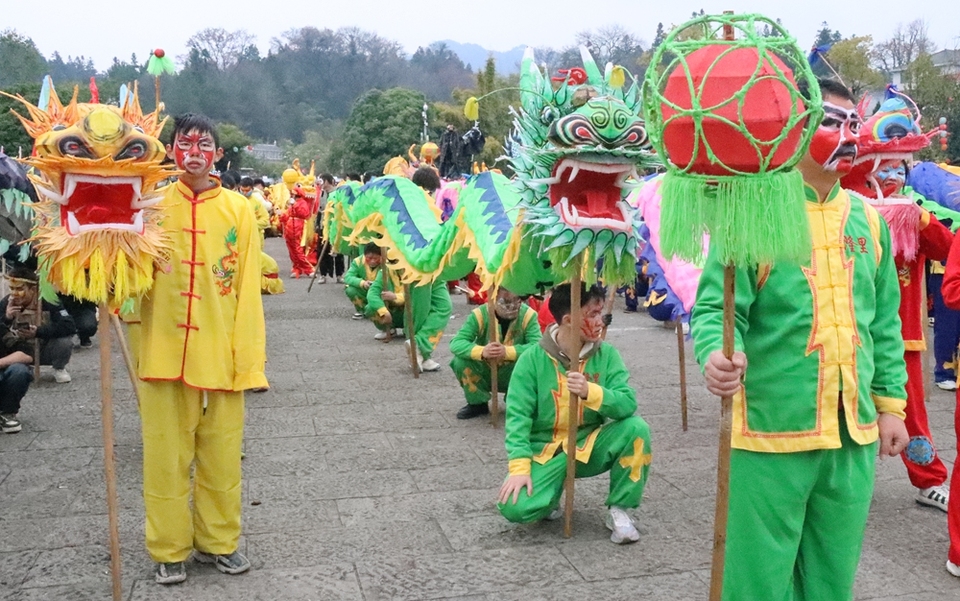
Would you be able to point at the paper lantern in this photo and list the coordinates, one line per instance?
(726, 113)
(747, 109)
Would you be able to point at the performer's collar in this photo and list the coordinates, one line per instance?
(812, 195)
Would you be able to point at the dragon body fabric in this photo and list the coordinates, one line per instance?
(576, 150)
(97, 230)
(17, 195)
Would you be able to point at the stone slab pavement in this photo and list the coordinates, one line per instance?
(360, 484)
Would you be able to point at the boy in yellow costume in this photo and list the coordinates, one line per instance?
(202, 344)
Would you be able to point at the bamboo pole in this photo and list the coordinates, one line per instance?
(608, 309)
(110, 474)
(494, 336)
(313, 278)
(37, 313)
(384, 280)
(408, 327)
(573, 407)
(682, 355)
(127, 355)
(723, 455)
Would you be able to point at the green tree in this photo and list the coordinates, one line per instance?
(826, 35)
(12, 135)
(234, 141)
(852, 60)
(21, 61)
(381, 125)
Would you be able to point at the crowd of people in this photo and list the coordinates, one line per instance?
(825, 377)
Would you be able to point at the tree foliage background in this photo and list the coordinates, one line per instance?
(348, 98)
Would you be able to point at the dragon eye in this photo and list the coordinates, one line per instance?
(74, 147)
(548, 115)
(134, 150)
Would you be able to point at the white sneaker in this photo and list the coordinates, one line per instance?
(380, 336)
(947, 385)
(953, 568)
(621, 526)
(357, 316)
(935, 496)
(61, 376)
(429, 365)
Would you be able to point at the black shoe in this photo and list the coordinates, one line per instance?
(469, 411)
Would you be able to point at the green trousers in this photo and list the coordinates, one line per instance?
(796, 522)
(431, 314)
(622, 448)
(474, 378)
(395, 313)
(357, 296)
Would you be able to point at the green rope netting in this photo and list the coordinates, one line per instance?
(753, 208)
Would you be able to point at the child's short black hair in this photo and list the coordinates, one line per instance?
(246, 182)
(371, 249)
(22, 272)
(258, 181)
(559, 303)
(426, 178)
(326, 178)
(193, 121)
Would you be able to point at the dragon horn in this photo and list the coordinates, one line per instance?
(594, 76)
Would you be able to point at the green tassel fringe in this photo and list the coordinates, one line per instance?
(751, 219)
(613, 272)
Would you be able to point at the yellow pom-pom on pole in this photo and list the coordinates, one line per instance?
(471, 109)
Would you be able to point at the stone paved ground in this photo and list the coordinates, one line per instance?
(359, 483)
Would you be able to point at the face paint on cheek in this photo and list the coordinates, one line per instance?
(592, 328)
(823, 144)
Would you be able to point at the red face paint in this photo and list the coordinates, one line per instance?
(834, 144)
(195, 152)
(591, 327)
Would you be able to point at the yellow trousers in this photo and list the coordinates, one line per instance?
(179, 433)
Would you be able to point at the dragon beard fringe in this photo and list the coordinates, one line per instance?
(102, 266)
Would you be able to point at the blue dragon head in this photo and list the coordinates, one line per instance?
(578, 147)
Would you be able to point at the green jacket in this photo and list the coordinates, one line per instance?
(358, 272)
(538, 400)
(375, 304)
(522, 333)
(811, 331)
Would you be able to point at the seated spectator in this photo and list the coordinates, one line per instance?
(54, 332)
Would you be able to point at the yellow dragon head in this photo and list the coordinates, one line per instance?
(97, 229)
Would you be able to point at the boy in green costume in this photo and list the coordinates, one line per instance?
(431, 314)
(472, 349)
(385, 307)
(825, 383)
(609, 437)
(360, 276)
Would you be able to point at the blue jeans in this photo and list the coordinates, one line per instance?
(14, 382)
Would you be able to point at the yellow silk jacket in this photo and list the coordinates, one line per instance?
(202, 323)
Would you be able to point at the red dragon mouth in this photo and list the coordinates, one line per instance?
(589, 195)
(92, 202)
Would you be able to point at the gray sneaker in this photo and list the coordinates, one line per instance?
(234, 563)
(621, 526)
(9, 423)
(170, 573)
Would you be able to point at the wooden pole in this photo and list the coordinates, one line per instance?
(608, 309)
(313, 278)
(573, 407)
(384, 279)
(681, 351)
(925, 317)
(110, 474)
(494, 336)
(127, 355)
(726, 432)
(411, 342)
(37, 312)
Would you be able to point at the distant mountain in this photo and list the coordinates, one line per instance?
(475, 56)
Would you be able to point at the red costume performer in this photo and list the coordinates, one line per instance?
(293, 221)
(886, 141)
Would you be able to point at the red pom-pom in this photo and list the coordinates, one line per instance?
(159, 53)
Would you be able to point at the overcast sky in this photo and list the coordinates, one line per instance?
(96, 29)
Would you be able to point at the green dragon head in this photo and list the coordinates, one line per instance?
(578, 147)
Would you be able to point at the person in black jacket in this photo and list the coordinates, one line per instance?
(54, 332)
